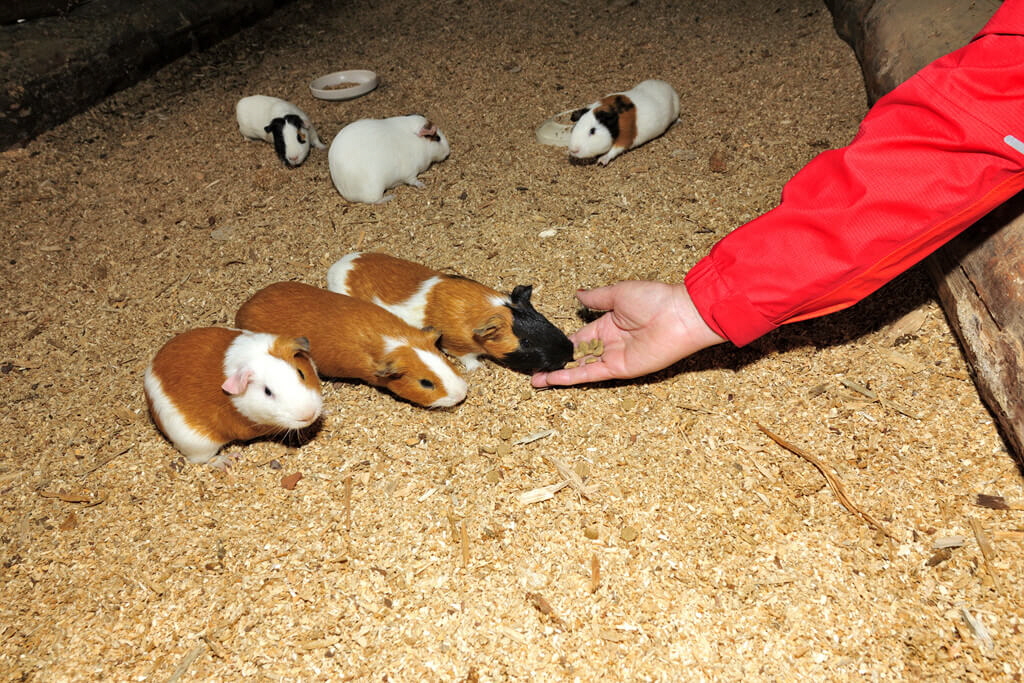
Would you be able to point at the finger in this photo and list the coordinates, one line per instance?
(589, 372)
(600, 299)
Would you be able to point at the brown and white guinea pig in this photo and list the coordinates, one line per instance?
(370, 156)
(623, 120)
(261, 117)
(473, 319)
(213, 385)
(349, 338)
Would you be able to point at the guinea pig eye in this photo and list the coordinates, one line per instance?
(593, 130)
(427, 384)
(302, 375)
(268, 392)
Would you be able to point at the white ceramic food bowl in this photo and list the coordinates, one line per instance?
(344, 85)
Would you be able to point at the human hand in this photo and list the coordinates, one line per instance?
(648, 326)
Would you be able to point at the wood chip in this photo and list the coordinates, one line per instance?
(536, 436)
(573, 479)
(832, 479)
(996, 502)
(187, 661)
(908, 324)
(949, 542)
(612, 635)
(289, 481)
(70, 522)
(986, 551)
(541, 493)
(985, 643)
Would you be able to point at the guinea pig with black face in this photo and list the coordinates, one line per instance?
(473, 319)
(271, 119)
(623, 120)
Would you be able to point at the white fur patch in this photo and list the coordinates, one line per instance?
(498, 301)
(392, 343)
(293, 405)
(193, 445)
(414, 309)
(454, 386)
(337, 274)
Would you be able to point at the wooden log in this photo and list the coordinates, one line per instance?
(980, 274)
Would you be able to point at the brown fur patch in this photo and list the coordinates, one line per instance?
(191, 369)
(345, 334)
(625, 110)
(462, 309)
(385, 277)
(295, 352)
(456, 307)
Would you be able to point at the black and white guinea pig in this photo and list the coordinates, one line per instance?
(473, 319)
(623, 120)
(370, 156)
(213, 385)
(261, 117)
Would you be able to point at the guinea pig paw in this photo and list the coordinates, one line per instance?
(417, 183)
(223, 462)
(603, 160)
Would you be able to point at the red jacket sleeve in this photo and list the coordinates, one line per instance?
(930, 158)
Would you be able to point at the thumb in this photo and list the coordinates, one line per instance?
(600, 299)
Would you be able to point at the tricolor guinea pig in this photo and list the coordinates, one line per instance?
(350, 338)
(473, 319)
(370, 156)
(212, 385)
(261, 117)
(623, 120)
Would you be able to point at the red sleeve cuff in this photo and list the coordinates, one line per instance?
(729, 313)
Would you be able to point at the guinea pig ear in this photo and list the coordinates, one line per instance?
(521, 295)
(578, 114)
(434, 334)
(274, 125)
(236, 383)
(388, 368)
(302, 343)
(491, 328)
(429, 131)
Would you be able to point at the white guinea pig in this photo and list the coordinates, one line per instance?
(261, 117)
(370, 156)
(623, 120)
(212, 385)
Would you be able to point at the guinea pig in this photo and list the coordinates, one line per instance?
(213, 385)
(370, 156)
(261, 117)
(623, 120)
(350, 338)
(473, 319)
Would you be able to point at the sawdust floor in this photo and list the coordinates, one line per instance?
(707, 551)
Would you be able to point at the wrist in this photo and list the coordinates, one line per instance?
(696, 332)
